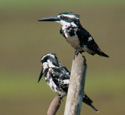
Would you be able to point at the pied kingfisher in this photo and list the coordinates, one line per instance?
(57, 77)
(79, 38)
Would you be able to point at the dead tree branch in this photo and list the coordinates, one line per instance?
(76, 86)
(54, 106)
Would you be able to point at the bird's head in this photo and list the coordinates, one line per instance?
(66, 18)
(50, 59)
(47, 61)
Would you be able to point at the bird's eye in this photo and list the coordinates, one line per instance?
(61, 17)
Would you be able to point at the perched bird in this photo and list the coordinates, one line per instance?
(79, 38)
(57, 77)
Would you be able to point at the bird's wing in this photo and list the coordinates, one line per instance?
(60, 76)
(87, 40)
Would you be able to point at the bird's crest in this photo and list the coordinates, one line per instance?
(70, 15)
(51, 57)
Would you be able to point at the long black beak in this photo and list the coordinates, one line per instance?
(53, 18)
(41, 74)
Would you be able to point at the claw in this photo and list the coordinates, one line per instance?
(76, 52)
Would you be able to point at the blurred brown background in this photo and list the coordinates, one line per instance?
(23, 41)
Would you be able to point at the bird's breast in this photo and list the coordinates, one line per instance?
(74, 41)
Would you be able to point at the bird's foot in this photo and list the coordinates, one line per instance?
(61, 96)
(76, 52)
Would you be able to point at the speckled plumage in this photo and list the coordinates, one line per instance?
(57, 77)
(79, 38)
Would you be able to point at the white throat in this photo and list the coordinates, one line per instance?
(50, 64)
(66, 24)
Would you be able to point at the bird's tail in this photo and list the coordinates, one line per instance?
(99, 52)
(103, 54)
(94, 108)
(88, 101)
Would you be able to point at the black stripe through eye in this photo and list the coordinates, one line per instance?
(67, 19)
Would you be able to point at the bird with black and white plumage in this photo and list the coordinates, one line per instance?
(79, 38)
(57, 77)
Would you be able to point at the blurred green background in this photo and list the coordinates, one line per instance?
(23, 41)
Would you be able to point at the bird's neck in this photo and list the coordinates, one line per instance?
(67, 25)
(67, 29)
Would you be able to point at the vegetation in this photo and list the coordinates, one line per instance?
(24, 40)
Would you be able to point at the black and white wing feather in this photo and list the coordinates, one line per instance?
(61, 77)
(88, 43)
